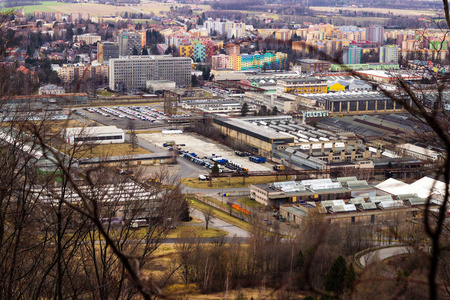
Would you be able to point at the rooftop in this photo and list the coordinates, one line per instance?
(305, 80)
(93, 130)
(247, 126)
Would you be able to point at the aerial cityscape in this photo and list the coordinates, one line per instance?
(197, 149)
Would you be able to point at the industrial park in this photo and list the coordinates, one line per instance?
(224, 150)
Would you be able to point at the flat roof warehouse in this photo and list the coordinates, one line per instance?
(265, 134)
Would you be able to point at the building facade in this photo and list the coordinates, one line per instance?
(309, 85)
(352, 55)
(128, 42)
(106, 51)
(132, 72)
(95, 135)
(389, 54)
(98, 73)
(314, 65)
(88, 38)
(220, 62)
(375, 34)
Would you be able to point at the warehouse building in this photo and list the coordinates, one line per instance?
(356, 103)
(358, 211)
(131, 73)
(314, 65)
(315, 148)
(39, 107)
(309, 85)
(261, 140)
(288, 192)
(94, 135)
(120, 202)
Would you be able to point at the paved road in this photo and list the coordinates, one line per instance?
(382, 254)
(233, 231)
(138, 10)
(187, 189)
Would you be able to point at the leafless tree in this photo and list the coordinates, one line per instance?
(208, 214)
(133, 136)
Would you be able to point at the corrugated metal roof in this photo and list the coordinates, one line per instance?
(368, 206)
(378, 199)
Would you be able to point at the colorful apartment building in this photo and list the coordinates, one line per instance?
(243, 62)
(199, 51)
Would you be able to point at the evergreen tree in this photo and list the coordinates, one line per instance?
(299, 262)
(154, 50)
(194, 81)
(262, 111)
(335, 278)
(30, 52)
(168, 50)
(215, 169)
(350, 276)
(185, 217)
(299, 269)
(275, 111)
(135, 51)
(206, 73)
(144, 51)
(244, 109)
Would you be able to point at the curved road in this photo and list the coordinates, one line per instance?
(382, 254)
(233, 231)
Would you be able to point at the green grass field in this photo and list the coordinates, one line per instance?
(44, 6)
(234, 182)
(100, 10)
(247, 202)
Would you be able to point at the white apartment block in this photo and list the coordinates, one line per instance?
(132, 72)
(88, 38)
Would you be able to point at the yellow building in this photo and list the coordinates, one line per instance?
(68, 73)
(302, 32)
(335, 87)
(265, 32)
(309, 85)
(186, 51)
(283, 34)
(234, 62)
(143, 34)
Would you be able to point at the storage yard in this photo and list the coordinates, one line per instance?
(143, 116)
(205, 149)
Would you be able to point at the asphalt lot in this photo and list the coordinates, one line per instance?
(141, 116)
(203, 147)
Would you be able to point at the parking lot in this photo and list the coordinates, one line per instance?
(204, 148)
(142, 116)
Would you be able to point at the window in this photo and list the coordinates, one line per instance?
(353, 220)
(372, 219)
